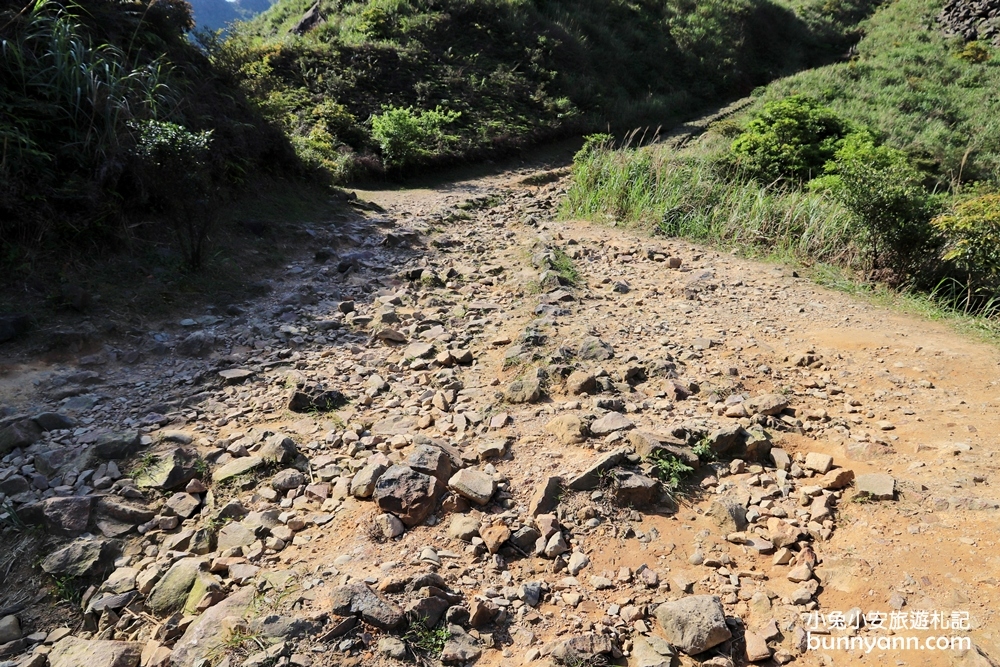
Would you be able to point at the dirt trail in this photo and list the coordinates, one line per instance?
(458, 293)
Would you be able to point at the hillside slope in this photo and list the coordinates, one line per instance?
(500, 73)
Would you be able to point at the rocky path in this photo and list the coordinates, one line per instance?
(460, 430)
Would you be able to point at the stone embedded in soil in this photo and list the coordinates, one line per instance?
(76, 652)
(473, 485)
(878, 485)
(568, 429)
(406, 493)
(610, 423)
(358, 599)
(527, 390)
(694, 624)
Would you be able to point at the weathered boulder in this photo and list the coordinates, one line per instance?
(171, 592)
(358, 599)
(80, 558)
(168, 470)
(117, 445)
(408, 494)
(205, 636)
(694, 624)
(74, 652)
(473, 485)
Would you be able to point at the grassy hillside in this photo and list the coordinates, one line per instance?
(886, 164)
(933, 96)
(110, 120)
(373, 84)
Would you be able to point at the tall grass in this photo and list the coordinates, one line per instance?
(685, 194)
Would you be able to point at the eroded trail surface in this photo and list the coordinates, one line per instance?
(462, 415)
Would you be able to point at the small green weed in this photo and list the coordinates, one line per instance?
(9, 517)
(144, 465)
(562, 264)
(201, 468)
(703, 450)
(426, 640)
(68, 589)
(669, 468)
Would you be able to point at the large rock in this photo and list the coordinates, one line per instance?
(730, 515)
(727, 439)
(288, 479)
(694, 624)
(74, 652)
(546, 496)
(876, 485)
(582, 649)
(183, 504)
(169, 470)
(634, 490)
(118, 445)
(473, 485)
(568, 429)
(648, 444)
(611, 422)
(10, 629)
(358, 599)
(767, 404)
(408, 494)
(528, 390)
(205, 637)
(12, 326)
(235, 534)
(431, 460)
(363, 484)
(171, 592)
(68, 515)
(19, 434)
(80, 558)
(651, 652)
(591, 477)
(278, 449)
(236, 467)
(595, 349)
(460, 647)
(53, 421)
(579, 382)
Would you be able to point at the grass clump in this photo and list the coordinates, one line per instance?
(428, 641)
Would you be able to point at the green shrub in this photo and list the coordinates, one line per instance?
(887, 199)
(406, 135)
(972, 239)
(792, 138)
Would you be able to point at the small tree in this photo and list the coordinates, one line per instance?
(174, 171)
(972, 240)
(885, 194)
